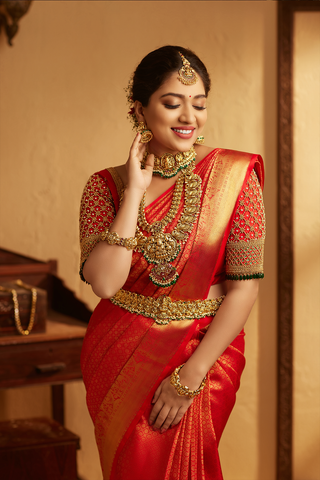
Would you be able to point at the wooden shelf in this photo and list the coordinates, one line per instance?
(58, 327)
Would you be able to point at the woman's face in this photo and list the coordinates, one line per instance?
(176, 115)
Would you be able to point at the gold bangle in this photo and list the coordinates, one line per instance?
(112, 238)
(183, 390)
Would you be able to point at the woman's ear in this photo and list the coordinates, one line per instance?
(138, 110)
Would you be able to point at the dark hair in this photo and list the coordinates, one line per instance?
(157, 66)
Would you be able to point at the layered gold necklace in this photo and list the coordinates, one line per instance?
(168, 165)
(161, 248)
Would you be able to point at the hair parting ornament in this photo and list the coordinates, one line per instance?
(187, 75)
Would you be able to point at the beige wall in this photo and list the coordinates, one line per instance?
(306, 395)
(63, 116)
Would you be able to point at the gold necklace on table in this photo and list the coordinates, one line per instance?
(16, 306)
(168, 165)
(161, 248)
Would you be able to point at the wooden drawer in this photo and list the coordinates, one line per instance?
(50, 362)
(52, 357)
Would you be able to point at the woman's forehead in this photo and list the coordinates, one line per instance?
(174, 86)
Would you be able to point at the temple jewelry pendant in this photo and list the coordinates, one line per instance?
(164, 275)
(161, 248)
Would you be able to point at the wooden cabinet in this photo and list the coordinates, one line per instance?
(52, 357)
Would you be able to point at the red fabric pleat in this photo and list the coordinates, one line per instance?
(188, 451)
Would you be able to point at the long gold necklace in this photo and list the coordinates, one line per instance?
(161, 248)
(168, 165)
(16, 306)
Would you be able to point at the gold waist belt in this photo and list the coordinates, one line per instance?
(163, 310)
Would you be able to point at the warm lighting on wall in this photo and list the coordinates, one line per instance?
(10, 13)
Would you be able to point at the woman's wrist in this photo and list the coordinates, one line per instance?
(133, 194)
(185, 390)
(191, 377)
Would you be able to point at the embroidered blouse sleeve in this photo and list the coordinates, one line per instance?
(245, 245)
(97, 212)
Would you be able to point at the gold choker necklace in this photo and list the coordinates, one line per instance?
(161, 248)
(169, 165)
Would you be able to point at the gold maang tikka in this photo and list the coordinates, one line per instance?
(187, 75)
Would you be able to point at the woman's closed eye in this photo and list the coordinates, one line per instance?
(171, 106)
(197, 107)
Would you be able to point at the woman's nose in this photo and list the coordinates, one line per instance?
(187, 114)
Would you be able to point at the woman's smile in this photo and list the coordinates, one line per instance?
(183, 133)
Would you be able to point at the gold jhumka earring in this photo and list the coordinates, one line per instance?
(146, 134)
(187, 75)
(200, 140)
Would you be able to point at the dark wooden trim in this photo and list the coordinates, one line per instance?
(286, 10)
(57, 402)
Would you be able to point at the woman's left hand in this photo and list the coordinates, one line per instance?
(169, 407)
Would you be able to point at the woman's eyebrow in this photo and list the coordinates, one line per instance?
(181, 96)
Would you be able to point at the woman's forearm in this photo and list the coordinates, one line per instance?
(225, 326)
(108, 266)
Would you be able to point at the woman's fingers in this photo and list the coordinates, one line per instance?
(155, 412)
(149, 162)
(156, 394)
(137, 149)
(168, 408)
(164, 418)
(165, 423)
(178, 417)
(137, 178)
(134, 145)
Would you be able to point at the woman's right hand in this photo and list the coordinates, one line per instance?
(168, 407)
(139, 179)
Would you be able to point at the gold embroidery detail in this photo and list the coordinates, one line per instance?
(96, 215)
(163, 310)
(117, 180)
(244, 258)
(245, 246)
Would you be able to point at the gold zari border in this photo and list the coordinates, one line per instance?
(163, 310)
(245, 257)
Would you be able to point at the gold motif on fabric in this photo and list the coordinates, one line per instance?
(117, 181)
(245, 258)
(245, 246)
(97, 213)
(163, 310)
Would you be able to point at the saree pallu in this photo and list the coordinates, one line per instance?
(125, 356)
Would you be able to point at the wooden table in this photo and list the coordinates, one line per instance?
(44, 358)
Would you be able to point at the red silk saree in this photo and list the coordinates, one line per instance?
(126, 355)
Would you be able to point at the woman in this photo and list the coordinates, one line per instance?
(172, 242)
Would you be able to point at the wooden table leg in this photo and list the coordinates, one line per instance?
(57, 402)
